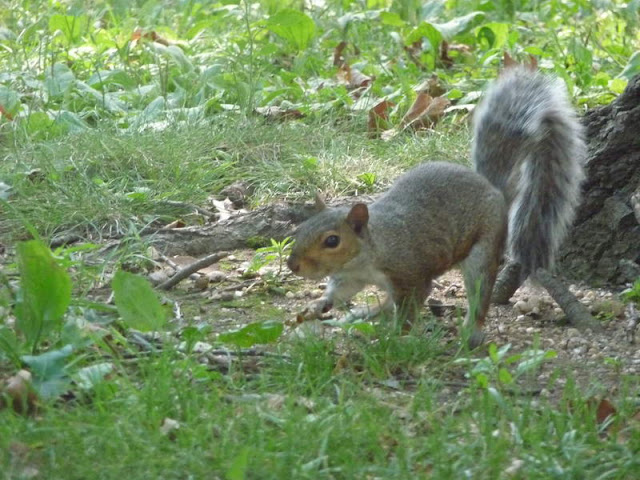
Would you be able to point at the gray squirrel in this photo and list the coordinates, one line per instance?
(528, 150)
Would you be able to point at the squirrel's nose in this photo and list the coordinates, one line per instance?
(293, 264)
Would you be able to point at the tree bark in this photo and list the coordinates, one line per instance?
(603, 248)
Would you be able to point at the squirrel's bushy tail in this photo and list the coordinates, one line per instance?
(529, 144)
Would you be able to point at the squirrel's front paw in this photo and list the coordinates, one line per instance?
(316, 308)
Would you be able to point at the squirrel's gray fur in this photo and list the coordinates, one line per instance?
(530, 145)
(528, 150)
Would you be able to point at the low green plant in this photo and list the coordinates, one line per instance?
(633, 294)
(499, 369)
(277, 253)
(253, 334)
(50, 334)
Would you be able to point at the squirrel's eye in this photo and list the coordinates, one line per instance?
(332, 241)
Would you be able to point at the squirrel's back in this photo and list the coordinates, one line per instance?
(431, 216)
(529, 144)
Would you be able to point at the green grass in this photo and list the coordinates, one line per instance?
(311, 421)
(101, 127)
(103, 179)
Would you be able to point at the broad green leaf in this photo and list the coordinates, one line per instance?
(137, 302)
(71, 26)
(504, 376)
(253, 334)
(458, 25)
(482, 380)
(294, 26)
(48, 364)
(363, 327)
(88, 377)
(117, 77)
(632, 68)
(496, 34)
(59, 80)
(175, 54)
(49, 375)
(391, 18)
(617, 85)
(428, 31)
(45, 292)
(70, 121)
(345, 20)
(9, 101)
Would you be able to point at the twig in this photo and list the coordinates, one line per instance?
(632, 324)
(192, 268)
(247, 353)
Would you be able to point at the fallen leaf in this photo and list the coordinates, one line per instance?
(378, 118)
(419, 107)
(139, 34)
(433, 86)
(338, 59)
(425, 112)
(352, 77)
(604, 411)
(446, 60)
(413, 52)
(176, 224)
(446, 47)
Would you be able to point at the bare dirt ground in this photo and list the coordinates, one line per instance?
(602, 363)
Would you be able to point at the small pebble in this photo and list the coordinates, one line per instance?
(158, 277)
(216, 276)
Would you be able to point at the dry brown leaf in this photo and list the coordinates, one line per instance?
(338, 59)
(427, 113)
(604, 411)
(179, 223)
(446, 60)
(19, 395)
(433, 86)
(352, 77)
(446, 47)
(378, 118)
(139, 34)
(419, 107)
(413, 51)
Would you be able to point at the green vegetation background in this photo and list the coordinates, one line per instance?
(110, 108)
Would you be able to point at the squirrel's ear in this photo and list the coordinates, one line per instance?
(319, 201)
(358, 217)
(508, 61)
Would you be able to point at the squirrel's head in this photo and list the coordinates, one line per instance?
(328, 240)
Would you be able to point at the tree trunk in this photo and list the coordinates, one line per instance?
(604, 245)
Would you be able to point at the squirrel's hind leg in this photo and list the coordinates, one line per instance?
(480, 270)
(409, 299)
